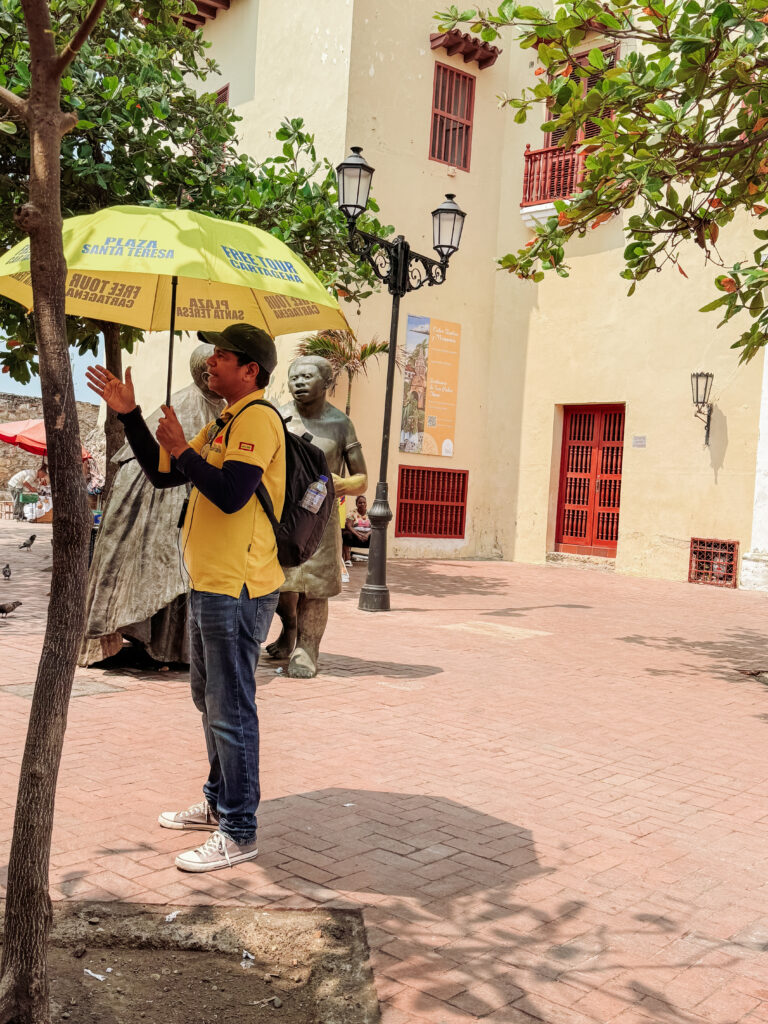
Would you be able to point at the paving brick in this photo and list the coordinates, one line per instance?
(727, 1007)
(528, 822)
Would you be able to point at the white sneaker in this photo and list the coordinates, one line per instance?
(345, 576)
(218, 852)
(198, 816)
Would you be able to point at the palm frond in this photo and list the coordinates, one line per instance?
(343, 351)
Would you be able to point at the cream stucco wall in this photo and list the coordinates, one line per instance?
(589, 343)
(391, 81)
(361, 73)
(285, 60)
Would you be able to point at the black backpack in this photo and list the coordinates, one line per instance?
(299, 531)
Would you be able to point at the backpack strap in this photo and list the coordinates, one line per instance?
(261, 491)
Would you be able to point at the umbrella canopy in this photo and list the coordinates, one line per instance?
(121, 262)
(29, 435)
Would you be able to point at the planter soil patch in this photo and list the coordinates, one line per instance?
(117, 963)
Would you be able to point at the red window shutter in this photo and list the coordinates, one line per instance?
(589, 129)
(431, 502)
(453, 104)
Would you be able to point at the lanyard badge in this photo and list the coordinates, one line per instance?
(213, 430)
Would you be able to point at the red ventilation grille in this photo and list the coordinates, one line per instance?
(714, 562)
(431, 502)
(453, 103)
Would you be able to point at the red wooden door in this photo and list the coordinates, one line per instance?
(590, 480)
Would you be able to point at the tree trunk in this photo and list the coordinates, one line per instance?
(24, 980)
(113, 429)
(349, 391)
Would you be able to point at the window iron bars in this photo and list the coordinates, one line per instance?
(431, 502)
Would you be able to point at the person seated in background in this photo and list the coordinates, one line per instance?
(357, 530)
(26, 481)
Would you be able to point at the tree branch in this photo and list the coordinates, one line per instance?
(13, 103)
(69, 52)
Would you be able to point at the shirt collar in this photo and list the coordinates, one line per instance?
(235, 408)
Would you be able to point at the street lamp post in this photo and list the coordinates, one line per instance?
(402, 271)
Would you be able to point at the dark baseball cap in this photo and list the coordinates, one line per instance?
(245, 338)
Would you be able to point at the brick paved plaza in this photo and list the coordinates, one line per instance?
(546, 788)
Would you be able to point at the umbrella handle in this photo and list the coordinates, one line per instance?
(164, 464)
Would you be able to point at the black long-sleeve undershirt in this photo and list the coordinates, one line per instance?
(229, 488)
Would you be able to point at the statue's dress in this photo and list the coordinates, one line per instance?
(137, 586)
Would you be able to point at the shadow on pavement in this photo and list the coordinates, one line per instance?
(738, 654)
(451, 893)
(432, 579)
(518, 613)
(343, 665)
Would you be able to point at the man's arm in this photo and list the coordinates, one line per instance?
(147, 450)
(229, 488)
(120, 397)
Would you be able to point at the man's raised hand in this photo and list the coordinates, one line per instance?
(119, 396)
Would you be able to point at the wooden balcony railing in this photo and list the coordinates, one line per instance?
(551, 173)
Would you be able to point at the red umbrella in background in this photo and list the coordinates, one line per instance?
(29, 435)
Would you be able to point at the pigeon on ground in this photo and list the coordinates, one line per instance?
(6, 609)
(27, 543)
(7, 571)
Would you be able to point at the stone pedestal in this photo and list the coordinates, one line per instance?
(754, 571)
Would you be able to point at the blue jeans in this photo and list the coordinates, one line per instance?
(225, 637)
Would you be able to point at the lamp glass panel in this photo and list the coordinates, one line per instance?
(446, 230)
(354, 187)
(701, 387)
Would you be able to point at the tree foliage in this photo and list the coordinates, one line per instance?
(147, 126)
(678, 132)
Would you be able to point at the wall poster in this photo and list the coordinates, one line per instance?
(430, 383)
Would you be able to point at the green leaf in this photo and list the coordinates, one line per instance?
(715, 304)
(110, 86)
(8, 127)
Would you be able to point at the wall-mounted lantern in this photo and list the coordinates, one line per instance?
(701, 388)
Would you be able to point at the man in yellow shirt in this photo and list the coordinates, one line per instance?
(230, 552)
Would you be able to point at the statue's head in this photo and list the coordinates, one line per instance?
(199, 370)
(309, 377)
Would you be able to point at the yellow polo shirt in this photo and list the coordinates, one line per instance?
(224, 551)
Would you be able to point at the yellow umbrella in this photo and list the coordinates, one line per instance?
(150, 267)
(155, 268)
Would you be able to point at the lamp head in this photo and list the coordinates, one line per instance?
(447, 224)
(354, 184)
(701, 388)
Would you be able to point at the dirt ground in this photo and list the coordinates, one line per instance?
(128, 964)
